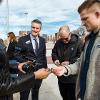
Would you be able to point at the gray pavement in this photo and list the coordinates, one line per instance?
(49, 88)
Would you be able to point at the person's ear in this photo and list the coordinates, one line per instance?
(97, 14)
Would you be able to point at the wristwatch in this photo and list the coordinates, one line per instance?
(66, 73)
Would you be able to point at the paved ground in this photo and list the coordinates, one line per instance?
(49, 89)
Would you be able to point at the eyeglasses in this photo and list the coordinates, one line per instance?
(66, 39)
(8, 36)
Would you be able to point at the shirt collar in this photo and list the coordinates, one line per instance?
(32, 37)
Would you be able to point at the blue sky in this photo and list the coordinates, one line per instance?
(52, 13)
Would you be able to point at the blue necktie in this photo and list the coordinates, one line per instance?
(36, 46)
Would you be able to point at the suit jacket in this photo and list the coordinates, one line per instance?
(25, 50)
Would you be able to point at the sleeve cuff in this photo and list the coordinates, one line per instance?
(68, 71)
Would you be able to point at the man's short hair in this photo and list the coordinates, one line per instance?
(87, 4)
(37, 21)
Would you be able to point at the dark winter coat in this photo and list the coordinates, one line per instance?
(67, 52)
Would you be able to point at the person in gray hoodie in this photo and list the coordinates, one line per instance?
(88, 66)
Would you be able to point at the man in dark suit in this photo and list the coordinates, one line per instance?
(32, 46)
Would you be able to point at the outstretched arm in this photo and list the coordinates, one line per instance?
(9, 86)
(66, 70)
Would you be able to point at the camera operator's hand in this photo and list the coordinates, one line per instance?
(42, 73)
(20, 66)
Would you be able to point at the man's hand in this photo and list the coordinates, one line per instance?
(42, 73)
(20, 66)
(59, 71)
(56, 62)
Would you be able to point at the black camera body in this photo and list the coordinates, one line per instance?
(26, 56)
(31, 66)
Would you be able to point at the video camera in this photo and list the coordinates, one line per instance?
(33, 66)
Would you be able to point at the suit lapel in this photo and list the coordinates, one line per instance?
(30, 44)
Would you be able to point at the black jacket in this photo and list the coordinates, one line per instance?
(11, 50)
(7, 85)
(67, 52)
(10, 54)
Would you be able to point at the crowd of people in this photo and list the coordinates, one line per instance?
(77, 60)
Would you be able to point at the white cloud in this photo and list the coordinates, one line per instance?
(48, 11)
